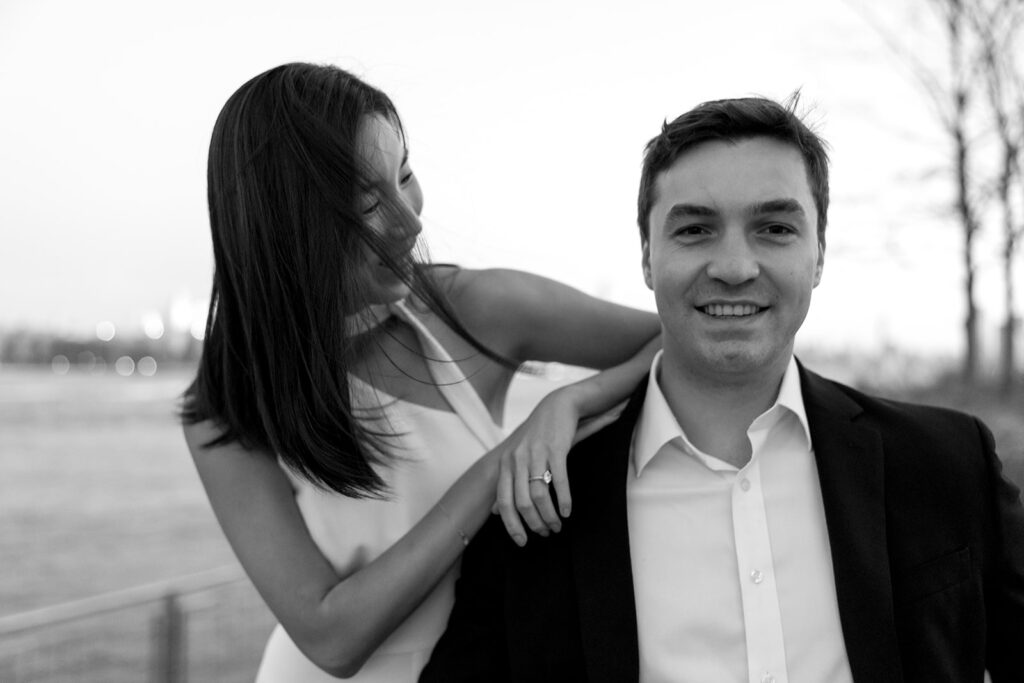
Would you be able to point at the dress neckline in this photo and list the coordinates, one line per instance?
(445, 372)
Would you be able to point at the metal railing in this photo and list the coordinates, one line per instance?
(209, 626)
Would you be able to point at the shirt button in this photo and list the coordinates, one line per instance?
(745, 484)
(767, 678)
(757, 576)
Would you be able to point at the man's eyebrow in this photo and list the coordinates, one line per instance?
(787, 205)
(688, 210)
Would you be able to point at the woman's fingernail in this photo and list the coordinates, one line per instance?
(520, 540)
(556, 527)
(565, 511)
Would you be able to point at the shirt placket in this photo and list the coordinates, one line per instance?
(766, 655)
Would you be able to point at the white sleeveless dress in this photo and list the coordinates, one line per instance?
(433, 448)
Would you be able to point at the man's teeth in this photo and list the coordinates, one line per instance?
(735, 310)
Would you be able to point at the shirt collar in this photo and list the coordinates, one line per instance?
(657, 424)
(791, 397)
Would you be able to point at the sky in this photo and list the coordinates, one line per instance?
(526, 123)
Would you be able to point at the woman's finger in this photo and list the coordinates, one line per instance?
(540, 490)
(524, 502)
(506, 502)
(560, 483)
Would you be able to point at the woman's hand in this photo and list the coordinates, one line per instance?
(541, 444)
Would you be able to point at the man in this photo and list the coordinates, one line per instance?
(746, 519)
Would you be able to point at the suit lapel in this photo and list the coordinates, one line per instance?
(600, 549)
(851, 469)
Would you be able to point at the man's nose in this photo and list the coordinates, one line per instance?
(734, 261)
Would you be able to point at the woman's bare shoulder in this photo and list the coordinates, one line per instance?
(484, 300)
(207, 437)
(202, 434)
(478, 291)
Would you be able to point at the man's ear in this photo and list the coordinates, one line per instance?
(646, 264)
(821, 263)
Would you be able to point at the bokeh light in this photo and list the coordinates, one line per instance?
(153, 325)
(105, 330)
(181, 313)
(146, 366)
(60, 364)
(124, 366)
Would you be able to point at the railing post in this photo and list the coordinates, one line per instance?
(169, 663)
(25, 638)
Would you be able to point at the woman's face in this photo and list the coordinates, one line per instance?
(391, 207)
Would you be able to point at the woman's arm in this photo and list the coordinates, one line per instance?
(529, 317)
(337, 621)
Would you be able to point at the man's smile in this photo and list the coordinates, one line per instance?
(738, 310)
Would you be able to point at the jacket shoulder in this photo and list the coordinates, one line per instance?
(925, 424)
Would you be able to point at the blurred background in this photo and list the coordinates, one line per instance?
(526, 123)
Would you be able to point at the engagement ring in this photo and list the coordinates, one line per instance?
(546, 477)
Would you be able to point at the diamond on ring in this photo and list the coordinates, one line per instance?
(546, 477)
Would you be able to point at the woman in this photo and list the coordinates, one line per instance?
(345, 416)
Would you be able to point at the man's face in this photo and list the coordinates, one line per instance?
(732, 255)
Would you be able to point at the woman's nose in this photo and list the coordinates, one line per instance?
(409, 222)
(404, 220)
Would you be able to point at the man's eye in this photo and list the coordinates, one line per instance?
(779, 230)
(692, 230)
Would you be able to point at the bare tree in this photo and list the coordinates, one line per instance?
(981, 83)
(952, 106)
(996, 24)
(951, 91)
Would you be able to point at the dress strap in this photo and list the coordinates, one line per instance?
(451, 381)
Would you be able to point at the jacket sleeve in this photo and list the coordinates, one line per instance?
(1004, 592)
(473, 647)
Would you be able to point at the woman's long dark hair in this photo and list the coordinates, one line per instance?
(289, 246)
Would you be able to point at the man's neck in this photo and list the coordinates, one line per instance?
(716, 410)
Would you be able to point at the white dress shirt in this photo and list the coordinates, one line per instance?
(732, 571)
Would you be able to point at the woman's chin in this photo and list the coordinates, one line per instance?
(386, 287)
(387, 293)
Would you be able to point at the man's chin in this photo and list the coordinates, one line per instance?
(736, 360)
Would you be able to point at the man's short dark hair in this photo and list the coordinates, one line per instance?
(731, 121)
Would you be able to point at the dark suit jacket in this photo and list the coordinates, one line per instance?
(927, 543)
